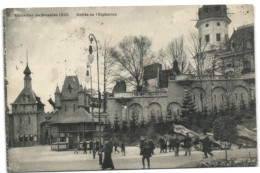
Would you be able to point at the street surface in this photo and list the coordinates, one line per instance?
(41, 158)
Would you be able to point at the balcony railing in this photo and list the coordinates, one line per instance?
(128, 95)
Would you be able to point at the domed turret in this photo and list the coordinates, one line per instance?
(213, 25)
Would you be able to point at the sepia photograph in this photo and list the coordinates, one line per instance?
(129, 87)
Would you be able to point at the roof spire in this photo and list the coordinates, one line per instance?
(27, 70)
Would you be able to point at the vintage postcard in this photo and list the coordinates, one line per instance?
(147, 87)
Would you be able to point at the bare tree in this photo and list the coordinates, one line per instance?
(197, 52)
(109, 72)
(129, 57)
(176, 51)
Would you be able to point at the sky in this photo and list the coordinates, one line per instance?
(56, 45)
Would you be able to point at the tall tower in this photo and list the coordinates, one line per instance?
(25, 110)
(213, 26)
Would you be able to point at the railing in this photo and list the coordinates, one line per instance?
(128, 95)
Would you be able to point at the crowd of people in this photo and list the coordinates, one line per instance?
(147, 148)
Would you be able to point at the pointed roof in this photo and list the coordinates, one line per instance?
(26, 96)
(80, 116)
(27, 70)
(70, 83)
(57, 91)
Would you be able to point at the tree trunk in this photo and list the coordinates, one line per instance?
(226, 151)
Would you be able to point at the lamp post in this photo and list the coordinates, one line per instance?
(89, 73)
(91, 58)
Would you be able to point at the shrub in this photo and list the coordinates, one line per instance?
(246, 162)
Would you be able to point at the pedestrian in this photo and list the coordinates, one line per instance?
(141, 144)
(171, 144)
(151, 146)
(108, 149)
(165, 145)
(207, 147)
(176, 144)
(161, 143)
(84, 147)
(97, 146)
(116, 145)
(91, 146)
(123, 148)
(187, 144)
(146, 152)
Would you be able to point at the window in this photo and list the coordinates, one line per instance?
(206, 10)
(215, 98)
(217, 9)
(74, 108)
(242, 96)
(178, 112)
(29, 120)
(25, 138)
(30, 137)
(20, 138)
(222, 97)
(218, 37)
(207, 38)
(199, 40)
(236, 96)
(218, 24)
(65, 108)
(194, 98)
(207, 25)
(20, 120)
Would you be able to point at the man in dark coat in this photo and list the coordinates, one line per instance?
(91, 146)
(206, 147)
(151, 145)
(85, 147)
(176, 144)
(146, 152)
(108, 149)
(161, 143)
(116, 145)
(123, 148)
(187, 144)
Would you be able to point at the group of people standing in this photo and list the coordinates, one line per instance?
(147, 148)
(93, 147)
(174, 144)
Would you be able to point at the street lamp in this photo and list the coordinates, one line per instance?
(90, 59)
(89, 73)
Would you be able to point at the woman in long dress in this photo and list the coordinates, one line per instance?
(108, 163)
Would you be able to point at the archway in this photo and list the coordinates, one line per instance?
(136, 110)
(155, 109)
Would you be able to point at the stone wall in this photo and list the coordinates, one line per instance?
(205, 94)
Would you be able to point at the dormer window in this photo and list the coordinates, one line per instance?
(69, 88)
(207, 25)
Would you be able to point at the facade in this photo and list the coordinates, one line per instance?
(208, 92)
(26, 110)
(71, 121)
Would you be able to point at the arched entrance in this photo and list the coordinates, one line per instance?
(45, 136)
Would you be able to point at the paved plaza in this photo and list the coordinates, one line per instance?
(41, 158)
